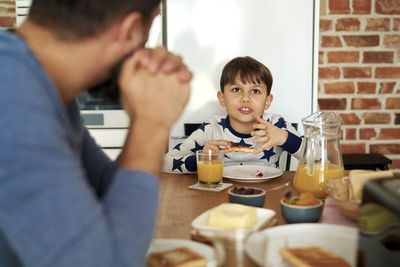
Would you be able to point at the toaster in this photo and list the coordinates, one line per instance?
(379, 223)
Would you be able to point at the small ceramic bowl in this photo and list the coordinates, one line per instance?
(301, 214)
(247, 196)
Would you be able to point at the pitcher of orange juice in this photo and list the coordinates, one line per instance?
(321, 158)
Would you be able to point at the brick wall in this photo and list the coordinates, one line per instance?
(359, 73)
(7, 13)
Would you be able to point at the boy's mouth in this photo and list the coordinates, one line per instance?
(245, 110)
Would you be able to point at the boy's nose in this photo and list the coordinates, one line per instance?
(245, 97)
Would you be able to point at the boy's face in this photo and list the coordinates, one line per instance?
(244, 102)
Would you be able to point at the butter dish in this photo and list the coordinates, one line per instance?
(200, 223)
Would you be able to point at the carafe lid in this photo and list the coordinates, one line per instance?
(322, 123)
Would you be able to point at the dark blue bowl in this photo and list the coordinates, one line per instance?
(301, 214)
(242, 197)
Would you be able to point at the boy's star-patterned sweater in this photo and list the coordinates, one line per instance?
(182, 158)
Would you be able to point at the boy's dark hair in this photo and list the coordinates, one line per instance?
(80, 19)
(249, 69)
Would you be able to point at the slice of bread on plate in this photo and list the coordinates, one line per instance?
(176, 257)
(359, 177)
(312, 256)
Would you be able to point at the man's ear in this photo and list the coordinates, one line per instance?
(131, 31)
(221, 98)
(269, 101)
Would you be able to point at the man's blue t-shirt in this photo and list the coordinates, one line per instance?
(63, 202)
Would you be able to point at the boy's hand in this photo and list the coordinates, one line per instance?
(268, 134)
(215, 144)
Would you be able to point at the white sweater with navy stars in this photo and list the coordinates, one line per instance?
(182, 158)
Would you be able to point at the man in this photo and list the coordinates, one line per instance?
(62, 201)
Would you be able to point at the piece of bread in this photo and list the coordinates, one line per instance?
(235, 147)
(312, 256)
(177, 257)
(359, 177)
(241, 149)
(232, 216)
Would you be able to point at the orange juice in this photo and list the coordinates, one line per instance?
(313, 180)
(210, 171)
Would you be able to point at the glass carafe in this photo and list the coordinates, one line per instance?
(321, 158)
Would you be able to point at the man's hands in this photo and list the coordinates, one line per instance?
(154, 86)
(268, 134)
(154, 90)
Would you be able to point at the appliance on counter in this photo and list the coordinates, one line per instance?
(379, 223)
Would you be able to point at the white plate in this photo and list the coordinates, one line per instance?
(166, 244)
(341, 240)
(200, 223)
(248, 173)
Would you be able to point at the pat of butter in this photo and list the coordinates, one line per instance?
(232, 216)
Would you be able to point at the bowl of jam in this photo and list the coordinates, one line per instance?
(251, 196)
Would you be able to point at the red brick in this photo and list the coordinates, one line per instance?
(387, 88)
(365, 103)
(378, 57)
(339, 6)
(358, 148)
(366, 88)
(367, 133)
(329, 73)
(348, 24)
(330, 41)
(7, 22)
(387, 72)
(396, 24)
(376, 118)
(361, 6)
(356, 72)
(389, 133)
(361, 40)
(391, 41)
(325, 25)
(339, 88)
(385, 148)
(320, 57)
(343, 56)
(350, 119)
(393, 103)
(379, 24)
(332, 103)
(351, 134)
(387, 6)
(395, 164)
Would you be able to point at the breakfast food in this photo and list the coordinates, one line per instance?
(312, 256)
(232, 216)
(238, 148)
(177, 257)
(246, 191)
(359, 177)
(305, 199)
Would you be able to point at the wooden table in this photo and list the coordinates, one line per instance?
(178, 205)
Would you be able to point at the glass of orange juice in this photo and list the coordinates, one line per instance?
(210, 166)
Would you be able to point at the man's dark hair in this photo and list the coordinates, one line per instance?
(249, 70)
(79, 19)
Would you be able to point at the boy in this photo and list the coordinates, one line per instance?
(246, 94)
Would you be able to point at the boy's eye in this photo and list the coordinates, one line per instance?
(256, 91)
(236, 90)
